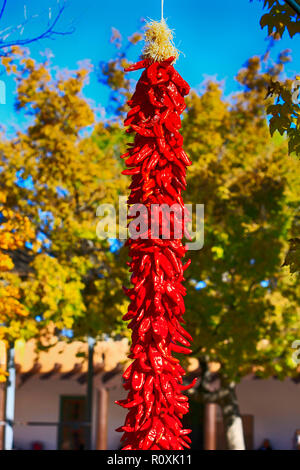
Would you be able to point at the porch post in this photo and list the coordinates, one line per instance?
(210, 426)
(89, 391)
(101, 443)
(2, 414)
(10, 398)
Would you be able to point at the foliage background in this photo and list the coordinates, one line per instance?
(51, 183)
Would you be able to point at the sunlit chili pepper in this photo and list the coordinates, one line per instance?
(157, 165)
(138, 380)
(142, 363)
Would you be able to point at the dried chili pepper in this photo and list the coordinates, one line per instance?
(157, 165)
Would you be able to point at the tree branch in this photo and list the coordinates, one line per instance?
(294, 5)
(50, 31)
(3, 8)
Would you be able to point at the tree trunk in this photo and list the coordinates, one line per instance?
(231, 417)
(217, 389)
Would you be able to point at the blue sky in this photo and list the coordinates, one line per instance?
(217, 37)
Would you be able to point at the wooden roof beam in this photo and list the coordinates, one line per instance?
(76, 370)
(55, 370)
(112, 373)
(97, 369)
(35, 369)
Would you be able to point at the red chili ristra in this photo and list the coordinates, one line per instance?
(157, 164)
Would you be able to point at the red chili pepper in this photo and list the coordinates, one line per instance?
(183, 331)
(145, 426)
(178, 81)
(153, 161)
(157, 74)
(160, 327)
(127, 372)
(157, 165)
(182, 398)
(164, 443)
(181, 407)
(185, 444)
(183, 432)
(180, 349)
(138, 157)
(180, 339)
(142, 130)
(138, 416)
(138, 65)
(148, 389)
(171, 423)
(156, 360)
(151, 435)
(174, 95)
(142, 363)
(149, 406)
(129, 404)
(183, 156)
(144, 326)
(132, 171)
(138, 380)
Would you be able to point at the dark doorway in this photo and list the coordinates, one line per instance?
(72, 435)
(194, 420)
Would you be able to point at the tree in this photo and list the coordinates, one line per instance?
(247, 312)
(14, 232)
(63, 174)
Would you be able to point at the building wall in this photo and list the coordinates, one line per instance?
(275, 406)
(39, 400)
(116, 417)
(276, 409)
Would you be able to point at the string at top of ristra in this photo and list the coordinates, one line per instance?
(159, 44)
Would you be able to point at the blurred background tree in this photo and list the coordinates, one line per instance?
(247, 313)
(56, 173)
(14, 232)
